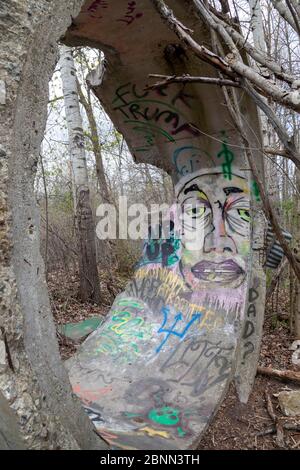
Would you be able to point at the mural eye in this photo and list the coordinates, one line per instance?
(194, 212)
(244, 214)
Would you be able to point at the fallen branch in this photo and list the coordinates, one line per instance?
(285, 375)
(278, 424)
(188, 79)
(293, 426)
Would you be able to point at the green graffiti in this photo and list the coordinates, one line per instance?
(181, 432)
(130, 303)
(255, 190)
(131, 415)
(228, 159)
(166, 415)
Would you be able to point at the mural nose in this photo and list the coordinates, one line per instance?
(218, 241)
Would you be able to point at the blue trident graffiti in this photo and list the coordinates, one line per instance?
(171, 330)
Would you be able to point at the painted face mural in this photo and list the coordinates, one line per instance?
(215, 222)
(155, 371)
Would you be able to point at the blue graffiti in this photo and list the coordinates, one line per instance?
(171, 330)
(164, 251)
(187, 159)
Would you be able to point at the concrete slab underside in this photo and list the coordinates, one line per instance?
(153, 375)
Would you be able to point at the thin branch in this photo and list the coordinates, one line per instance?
(57, 98)
(294, 15)
(167, 79)
(275, 122)
(235, 62)
(275, 152)
(256, 54)
(269, 211)
(284, 12)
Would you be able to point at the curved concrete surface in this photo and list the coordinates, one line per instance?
(153, 375)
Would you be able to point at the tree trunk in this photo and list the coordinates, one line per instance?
(297, 252)
(33, 379)
(85, 228)
(103, 186)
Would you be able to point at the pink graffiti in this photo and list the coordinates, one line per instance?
(95, 5)
(88, 396)
(131, 14)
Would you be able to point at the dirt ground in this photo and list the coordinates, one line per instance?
(236, 426)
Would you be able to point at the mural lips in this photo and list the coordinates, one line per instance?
(222, 272)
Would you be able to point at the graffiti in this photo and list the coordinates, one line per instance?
(154, 373)
(228, 156)
(151, 117)
(163, 275)
(183, 97)
(146, 289)
(148, 390)
(90, 395)
(94, 416)
(167, 416)
(182, 363)
(164, 252)
(95, 6)
(215, 229)
(154, 432)
(170, 289)
(131, 14)
(152, 395)
(249, 327)
(121, 335)
(158, 250)
(171, 329)
(255, 190)
(187, 159)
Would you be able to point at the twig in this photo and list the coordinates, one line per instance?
(265, 432)
(278, 425)
(188, 79)
(236, 64)
(295, 18)
(7, 350)
(270, 407)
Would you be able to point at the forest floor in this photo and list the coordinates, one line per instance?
(236, 426)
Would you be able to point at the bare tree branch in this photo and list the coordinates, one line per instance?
(275, 152)
(256, 54)
(200, 51)
(284, 12)
(167, 79)
(234, 60)
(295, 18)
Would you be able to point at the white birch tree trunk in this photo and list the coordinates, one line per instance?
(89, 282)
(260, 44)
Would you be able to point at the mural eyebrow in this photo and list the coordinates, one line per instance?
(231, 190)
(194, 187)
